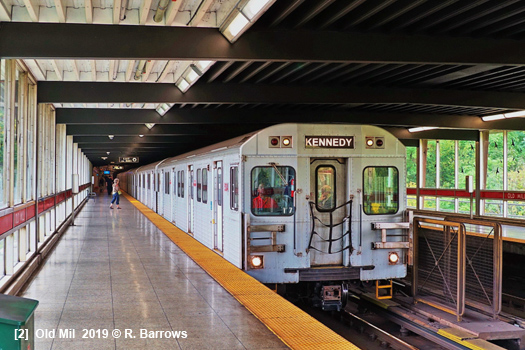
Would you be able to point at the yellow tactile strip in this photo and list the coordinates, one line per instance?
(467, 339)
(293, 326)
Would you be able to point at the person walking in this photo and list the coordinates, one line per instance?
(116, 194)
(109, 185)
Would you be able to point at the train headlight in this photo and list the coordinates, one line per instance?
(393, 258)
(287, 141)
(257, 261)
(369, 142)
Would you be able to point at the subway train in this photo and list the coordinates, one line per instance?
(304, 207)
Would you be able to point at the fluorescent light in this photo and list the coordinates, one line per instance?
(182, 84)
(493, 117)
(204, 65)
(243, 17)
(253, 7)
(515, 114)
(149, 125)
(237, 24)
(503, 116)
(422, 128)
(163, 108)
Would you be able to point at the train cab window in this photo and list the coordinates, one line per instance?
(272, 190)
(199, 185)
(182, 183)
(167, 182)
(204, 185)
(234, 188)
(325, 198)
(380, 190)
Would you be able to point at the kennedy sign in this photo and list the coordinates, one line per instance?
(329, 141)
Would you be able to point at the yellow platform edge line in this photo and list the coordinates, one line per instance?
(310, 334)
(467, 339)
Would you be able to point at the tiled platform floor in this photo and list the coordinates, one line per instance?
(115, 271)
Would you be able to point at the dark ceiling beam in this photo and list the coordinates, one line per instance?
(178, 43)
(139, 140)
(272, 116)
(437, 134)
(227, 131)
(219, 93)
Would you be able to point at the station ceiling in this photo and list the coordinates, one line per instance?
(393, 63)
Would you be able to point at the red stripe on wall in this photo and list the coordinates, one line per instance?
(6, 223)
(19, 217)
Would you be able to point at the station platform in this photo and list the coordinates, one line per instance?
(115, 277)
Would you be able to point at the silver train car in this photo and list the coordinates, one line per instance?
(316, 205)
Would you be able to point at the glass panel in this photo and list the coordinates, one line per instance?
(199, 185)
(411, 201)
(494, 208)
(31, 118)
(182, 183)
(411, 166)
(467, 162)
(325, 188)
(149, 181)
(178, 183)
(447, 204)
(495, 161)
(447, 163)
(430, 179)
(429, 203)
(380, 190)
(16, 142)
(516, 209)
(234, 191)
(204, 186)
(219, 186)
(2, 123)
(167, 182)
(16, 256)
(2, 257)
(272, 190)
(516, 161)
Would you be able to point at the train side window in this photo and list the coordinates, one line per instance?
(380, 190)
(199, 185)
(178, 183)
(204, 185)
(234, 188)
(158, 182)
(149, 181)
(167, 182)
(182, 183)
(325, 190)
(272, 190)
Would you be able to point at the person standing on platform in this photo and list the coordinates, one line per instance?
(101, 184)
(109, 185)
(116, 194)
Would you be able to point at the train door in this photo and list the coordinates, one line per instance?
(328, 189)
(217, 206)
(190, 199)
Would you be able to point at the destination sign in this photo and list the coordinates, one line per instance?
(128, 159)
(329, 142)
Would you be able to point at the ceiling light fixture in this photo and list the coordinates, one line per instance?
(503, 116)
(242, 17)
(149, 125)
(141, 135)
(104, 158)
(422, 128)
(108, 153)
(111, 137)
(163, 108)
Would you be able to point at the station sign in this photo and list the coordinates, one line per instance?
(128, 159)
(329, 142)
